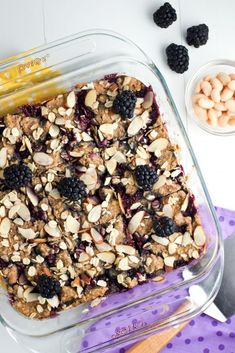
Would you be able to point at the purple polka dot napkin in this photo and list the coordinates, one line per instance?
(204, 334)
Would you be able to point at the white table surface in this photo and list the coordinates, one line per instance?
(28, 23)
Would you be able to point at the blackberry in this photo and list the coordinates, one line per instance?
(17, 176)
(73, 189)
(165, 15)
(145, 176)
(197, 35)
(124, 104)
(164, 226)
(48, 286)
(177, 58)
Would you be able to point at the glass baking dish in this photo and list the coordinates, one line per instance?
(143, 310)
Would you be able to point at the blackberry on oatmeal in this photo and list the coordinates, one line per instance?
(92, 198)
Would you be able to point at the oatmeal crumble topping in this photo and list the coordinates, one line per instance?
(103, 203)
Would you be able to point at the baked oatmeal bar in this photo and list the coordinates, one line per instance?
(92, 197)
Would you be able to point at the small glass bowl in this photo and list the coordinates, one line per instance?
(211, 68)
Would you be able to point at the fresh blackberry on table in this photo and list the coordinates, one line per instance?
(72, 188)
(177, 58)
(48, 286)
(145, 176)
(164, 226)
(165, 15)
(197, 35)
(124, 104)
(17, 176)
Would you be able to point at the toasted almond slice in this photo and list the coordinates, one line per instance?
(169, 261)
(107, 257)
(111, 166)
(91, 97)
(5, 227)
(119, 157)
(32, 196)
(187, 239)
(135, 126)
(148, 100)
(126, 249)
(134, 259)
(23, 212)
(160, 240)
(96, 236)
(53, 302)
(43, 159)
(123, 264)
(172, 247)
(168, 210)
(12, 212)
(185, 203)
(107, 130)
(27, 233)
(83, 257)
(102, 247)
(158, 145)
(161, 181)
(72, 224)
(94, 214)
(3, 157)
(199, 236)
(53, 232)
(71, 99)
(120, 203)
(54, 130)
(135, 221)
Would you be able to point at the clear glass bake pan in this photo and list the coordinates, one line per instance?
(56, 67)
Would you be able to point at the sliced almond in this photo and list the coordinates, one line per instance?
(107, 257)
(53, 232)
(71, 99)
(23, 212)
(169, 261)
(199, 236)
(111, 166)
(187, 239)
(135, 126)
(43, 159)
(83, 257)
(54, 130)
(72, 224)
(160, 240)
(126, 249)
(91, 97)
(161, 181)
(148, 100)
(135, 221)
(96, 236)
(13, 211)
(102, 247)
(54, 302)
(32, 196)
(158, 145)
(5, 227)
(94, 214)
(3, 157)
(168, 211)
(134, 259)
(195, 254)
(123, 264)
(27, 233)
(121, 204)
(185, 203)
(172, 247)
(107, 130)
